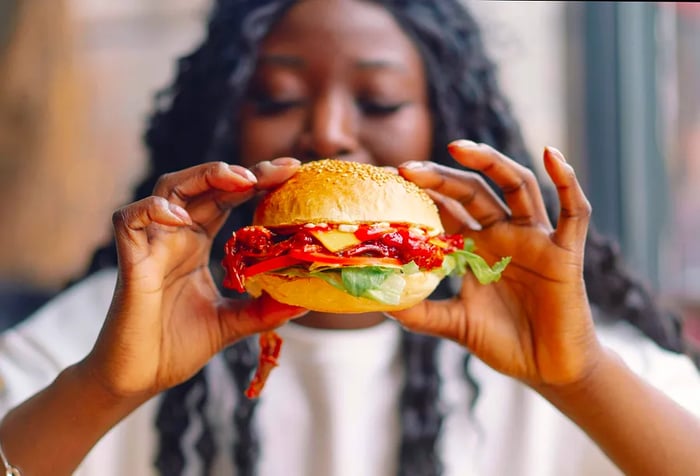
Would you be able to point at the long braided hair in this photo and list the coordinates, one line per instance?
(193, 123)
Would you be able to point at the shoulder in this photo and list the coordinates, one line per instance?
(57, 335)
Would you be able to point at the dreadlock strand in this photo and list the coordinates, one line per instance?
(241, 360)
(175, 419)
(617, 293)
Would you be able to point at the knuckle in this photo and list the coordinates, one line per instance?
(486, 148)
(581, 210)
(119, 217)
(586, 208)
(528, 176)
(467, 196)
(494, 154)
(515, 187)
(162, 183)
(570, 172)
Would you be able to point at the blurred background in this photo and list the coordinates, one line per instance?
(614, 85)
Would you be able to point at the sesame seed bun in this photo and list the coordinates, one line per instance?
(335, 191)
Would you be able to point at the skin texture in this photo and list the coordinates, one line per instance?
(534, 325)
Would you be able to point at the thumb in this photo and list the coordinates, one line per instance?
(242, 318)
(443, 318)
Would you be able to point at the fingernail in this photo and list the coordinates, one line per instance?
(413, 165)
(285, 161)
(250, 175)
(462, 144)
(180, 213)
(243, 172)
(556, 153)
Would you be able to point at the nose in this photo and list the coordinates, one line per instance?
(331, 128)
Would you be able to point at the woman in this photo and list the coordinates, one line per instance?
(381, 82)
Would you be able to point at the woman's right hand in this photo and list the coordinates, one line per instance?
(167, 317)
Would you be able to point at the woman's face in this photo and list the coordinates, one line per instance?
(337, 78)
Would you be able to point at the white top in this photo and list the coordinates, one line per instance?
(330, 408)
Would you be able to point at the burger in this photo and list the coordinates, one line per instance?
(346, 237)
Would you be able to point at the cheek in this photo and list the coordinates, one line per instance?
(266, 138)
(408, 136)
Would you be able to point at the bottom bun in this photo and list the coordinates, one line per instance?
(317, 295)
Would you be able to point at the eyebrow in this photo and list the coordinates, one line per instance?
(290, 61)
(380, 64)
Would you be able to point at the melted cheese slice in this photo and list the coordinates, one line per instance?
(438, 242)
(335, 240)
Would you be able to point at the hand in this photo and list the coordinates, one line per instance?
(535, 323)
(167, 317)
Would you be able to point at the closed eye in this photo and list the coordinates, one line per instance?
(379, 109)
(267, 106)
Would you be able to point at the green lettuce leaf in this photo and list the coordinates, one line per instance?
(410, 268)
(390, 290)
(457, 263)
(359, 280)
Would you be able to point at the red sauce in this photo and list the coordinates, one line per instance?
(253, 244)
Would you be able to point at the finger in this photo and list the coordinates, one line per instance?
(575, 212)
(242, 318)
(437, 318)
(182, 186)
(131, 222)
(272, 173)
(268, 174)
(467, 188)
(518, 183)
(210, 192)
(455, 218)
(198, 189)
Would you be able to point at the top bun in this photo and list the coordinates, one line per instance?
(336, 191)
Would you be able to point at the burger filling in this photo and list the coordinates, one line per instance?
(367, 260)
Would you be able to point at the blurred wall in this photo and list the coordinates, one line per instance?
(528, 41)
(76, 82)
(44, 170)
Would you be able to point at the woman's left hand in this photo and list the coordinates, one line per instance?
(535, 323)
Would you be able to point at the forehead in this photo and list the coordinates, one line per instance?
(342, 30)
